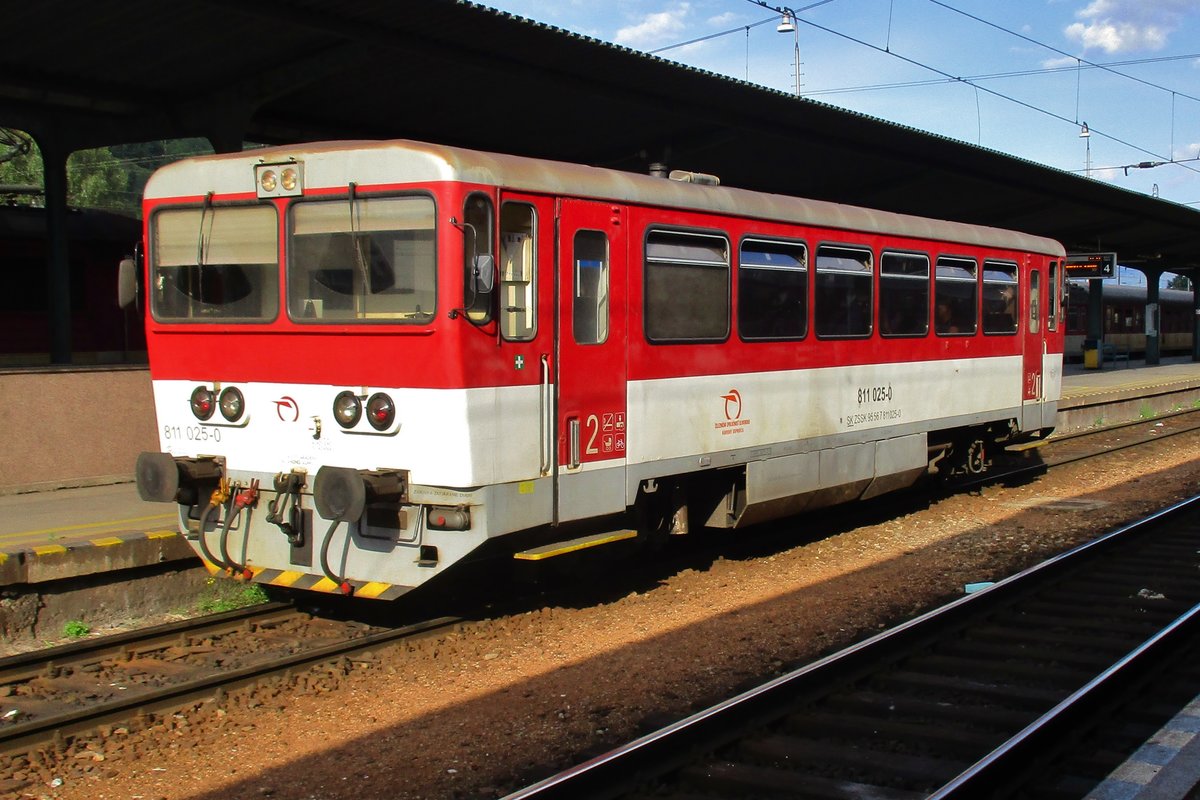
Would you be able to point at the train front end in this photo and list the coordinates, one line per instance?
(314, 414)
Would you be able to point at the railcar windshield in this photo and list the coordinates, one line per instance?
(366, 260)
(215, 264)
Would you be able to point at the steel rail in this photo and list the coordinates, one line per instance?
(991, 773)
(23, 666)
(668, 749)
(54, 728)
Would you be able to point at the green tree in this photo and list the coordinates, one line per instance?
(1179, 282)
(111, 178)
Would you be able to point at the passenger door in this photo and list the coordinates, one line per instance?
(1034, 351)
(591, 347)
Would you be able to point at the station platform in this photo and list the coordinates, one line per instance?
(68, 533)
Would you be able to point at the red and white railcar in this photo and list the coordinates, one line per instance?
(370, 359)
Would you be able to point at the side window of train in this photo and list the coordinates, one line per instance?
(478, 260)
(844, 284)
(1000, 297)
(687, 287)
(1055, 295)
(903, 294)
(518, 272)
(772, 290)
(1035, 301)
(955, 292)
(589, 309)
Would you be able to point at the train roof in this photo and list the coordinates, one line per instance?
(329, 164)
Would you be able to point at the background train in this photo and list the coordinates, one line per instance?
(373, 361)
(1124, 309)
(101, 333)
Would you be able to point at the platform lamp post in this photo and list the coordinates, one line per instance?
(1086, 135)
(788, 25)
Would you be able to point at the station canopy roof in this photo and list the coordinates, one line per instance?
(277, 71)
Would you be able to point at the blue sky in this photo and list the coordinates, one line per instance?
(1020, 77)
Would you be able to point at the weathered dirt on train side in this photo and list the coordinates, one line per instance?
(478, 712)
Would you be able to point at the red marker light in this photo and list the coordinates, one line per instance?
(203, 403)
(381, 411)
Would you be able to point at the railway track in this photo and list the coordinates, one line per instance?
(992, 695)
(52, 694)
(48, 695)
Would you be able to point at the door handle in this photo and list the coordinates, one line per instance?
(547, 417)
(573, 441)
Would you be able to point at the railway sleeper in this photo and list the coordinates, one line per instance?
(1123, 594)
(892, 705)
(1047, 653)
(1046, 616)
(747, 780)
(943, 739)
(1041, 674)
(1115, 646)
(951, 687)
(793, 752)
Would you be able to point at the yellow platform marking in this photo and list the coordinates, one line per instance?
(573, 545)
(107, 541)
(114, 523)
(49, 549)
(161, 534)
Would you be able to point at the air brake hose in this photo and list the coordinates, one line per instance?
(242, 500)
(208, 555)
(341, 583)
(219, 496)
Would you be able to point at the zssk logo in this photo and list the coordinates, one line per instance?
(287, 409)
(733, 404)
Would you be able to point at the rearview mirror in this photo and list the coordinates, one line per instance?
(127, 289)
(484, 273)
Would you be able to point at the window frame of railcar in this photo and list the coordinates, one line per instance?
(664, 319)
(589, 304)
(946, 285)
(518, 271)
(839, 279)
(1056, 297)
(765, 272)
(379, 220)
(194, 253)
(904, 283)
(479, 211)
(1035, 301)
(997, 268)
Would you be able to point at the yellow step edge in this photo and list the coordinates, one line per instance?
(573, 545)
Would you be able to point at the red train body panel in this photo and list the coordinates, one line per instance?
(419, 351)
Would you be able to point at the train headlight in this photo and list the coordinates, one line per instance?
(204, 403)
(347, 409)
(381, 411)
(289, 179)
(282, 179)
(232, 404)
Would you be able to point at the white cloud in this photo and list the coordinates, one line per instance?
(1121, 26)
(655, 29)
(1060, 62)
(723, 19)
